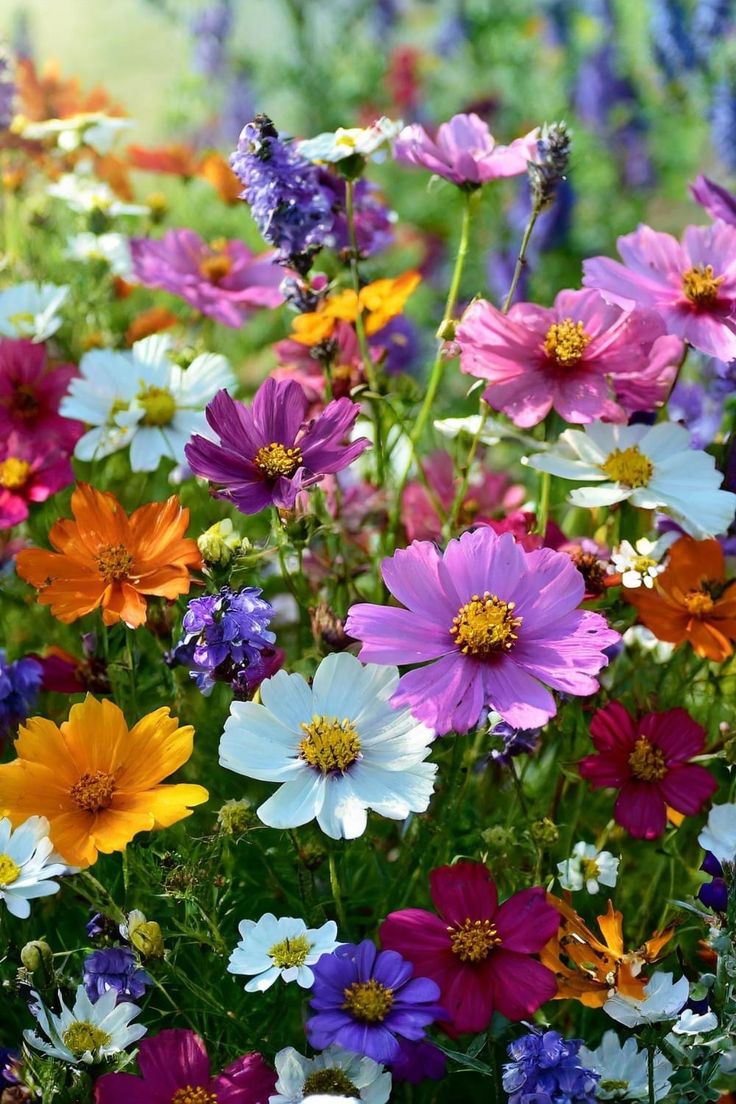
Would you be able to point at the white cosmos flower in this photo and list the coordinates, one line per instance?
(334, 1071)
(88, 128)
(338, 748)
(639, 564)
(663, 1000)
(86, 194)
(31, 310)
(280, 947)
(111, 248)
(624, 1070)
(589, 867)
(652, 467)
(27, 863)
(140, 398)
(719, 834)
(336, 145)
(87, 1032)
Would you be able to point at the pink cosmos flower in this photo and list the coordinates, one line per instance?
(489, 494)
(29, 473)
(647, 760)
(175, 1061)
(583, 357)
(479, 953)
(465, 151)
(223, 280)
(492, 623)
(30, 392)
(692, 284)
(716, 200)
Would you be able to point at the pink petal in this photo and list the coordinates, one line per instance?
(526, 921)
(464, 891)
(521, 985)
(641, 810)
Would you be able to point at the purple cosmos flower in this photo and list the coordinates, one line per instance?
(491, 622)
(713, 894)
(417, 1061)
(365, 1000)
(465, 151)
(515, 741)
(7, 87)
(210, 29)
(19, 685)
(223, 280)
(546, 1069)
(114, 968)
(267, 453)
(717, 201)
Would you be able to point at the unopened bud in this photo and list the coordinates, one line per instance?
(38, 959)
(544, 831)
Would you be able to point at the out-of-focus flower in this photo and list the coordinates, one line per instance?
(7, 87)
(211, 29)
(335, 1072)
(624, 1070)
(148, 322)
(20, 682)
(31, 391)
(215, 170)
(716, 200)
(723, 118)
(374, 222)
(663, 999)
(31, 310)
(639, 564)
(464, 151)
(363, 142)
(114, 968)
(671, 39)
(27, 864)
(28, 474)
(546, 1067)
(699, 406)
(110, 249)
(175, 158)
(283, 947)
(488, 494)
(88, 1032)
(588, 867)
(87, 195)
(89, 128)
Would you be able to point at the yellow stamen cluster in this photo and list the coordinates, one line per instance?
(94, 791)
(290, 952)
(159, 406)
(276, 460)
(114, 562)
(368, 1001)
(330, 744)
(216, 267)
(14, 473)
(329, 1082)
(190, 1094)
(83, 1036)
(698, 602)
(700, 285)
(9, 870)
(566, 342)
(647, 763)
(474, 940)
(591, 870)
(629, 467)
(485, 625)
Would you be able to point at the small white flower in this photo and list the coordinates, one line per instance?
(338, 748)
(719, 834)
(663, 1000)
(639, 564)
(695, 1023)
(285, 947)
(653, 467)
(89, 128)
(624, 1070)
(111, 248)
(336, 145)
(31, 310)
(86, 194)
(88, 1032)
(589, 867)
(643, 639)
(140, 398)
(334, 1071)
(27, 862)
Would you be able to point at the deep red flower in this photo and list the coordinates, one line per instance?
(647, 760)
(478, 952)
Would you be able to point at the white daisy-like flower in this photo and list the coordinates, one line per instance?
(88, 128)
(27, 864)
(719, 834)
(283, 946)
(652, 467)
(639, 564)
(624, 1070)
(87, 194)
(334, 146)
(31, 310)
(589, 867)
(663, 999)
(111, 248)
(87, 1032)
(335, 1073)
(338, 748)
(142, 399)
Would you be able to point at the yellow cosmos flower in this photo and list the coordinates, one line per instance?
(379, 302)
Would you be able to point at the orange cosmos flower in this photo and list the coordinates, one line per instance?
(148, 322)
(97, 783)
(106, 559)
(692, 600)
(215, 170)
(176, 158)
(48, 95)
(378, 302)
(590, 970)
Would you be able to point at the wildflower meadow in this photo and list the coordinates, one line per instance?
(368, 553)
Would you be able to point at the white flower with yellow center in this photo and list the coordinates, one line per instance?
(334, 1074)
(140, 398)
(334, 146)
(27, 864)
(88, 1032)
(589, 867)
(639, 564)
(338, 748)
(652, 467)
(88, 128)
(86, 194)
(282, 947)
(110, 249)
(624, 1070)
(31, 310)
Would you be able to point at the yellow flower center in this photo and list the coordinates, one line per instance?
(329, 1082)
(9, 870)
(484, 626)
(14, 473)
(191, 1095)
(275, 460)
(591, 870)
(566, 342)
(628, 466)
(216, 267)
(642, 564)
(701, 286)
(159, 406)
(330, 744)
(93, 792)
(698, 602)
(83, 1036)
(368, 1001)
(114, 562)
(290, 952)
(474, 940)
(647, 762)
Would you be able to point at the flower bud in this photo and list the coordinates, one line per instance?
(38, 959)
(544, 831)
(220, 543)
(235, 817)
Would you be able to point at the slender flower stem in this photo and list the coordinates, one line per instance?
(520, 260)
(650, 1073)
(337, 893)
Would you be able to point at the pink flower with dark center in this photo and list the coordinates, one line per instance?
(464, 151)
(647, 759)
(29, 473)
(691, 284)
(477, 951)
(175, 1069)
(583, 357)
(223, 280)
(493, 624)
(30, 392)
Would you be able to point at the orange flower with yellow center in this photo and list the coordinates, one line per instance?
(378, 302)
(105, 559)
(97, 783)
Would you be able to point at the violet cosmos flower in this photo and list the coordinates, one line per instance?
(365, 1000)
(464, 151)
(715, 199)
(267, 453)
(174, 1066)
(223, 280)
(19, 685)
(583, 357)
(29, 473)
(692, 283)
(114, 968)
(492, 623)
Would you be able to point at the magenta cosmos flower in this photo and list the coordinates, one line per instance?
(267, 453)
(175, 1069)
(30, 392)
(583, 357)
(29, 473)
(691, 284)
(491, 622)
(647, 761)
(464, 151)
(479, 953)
(223, 280)
(715, 199)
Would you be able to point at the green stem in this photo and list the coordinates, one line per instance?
(520, 260)
(130, 653)
(650, 1073)
(543, 504)
(337, 893)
